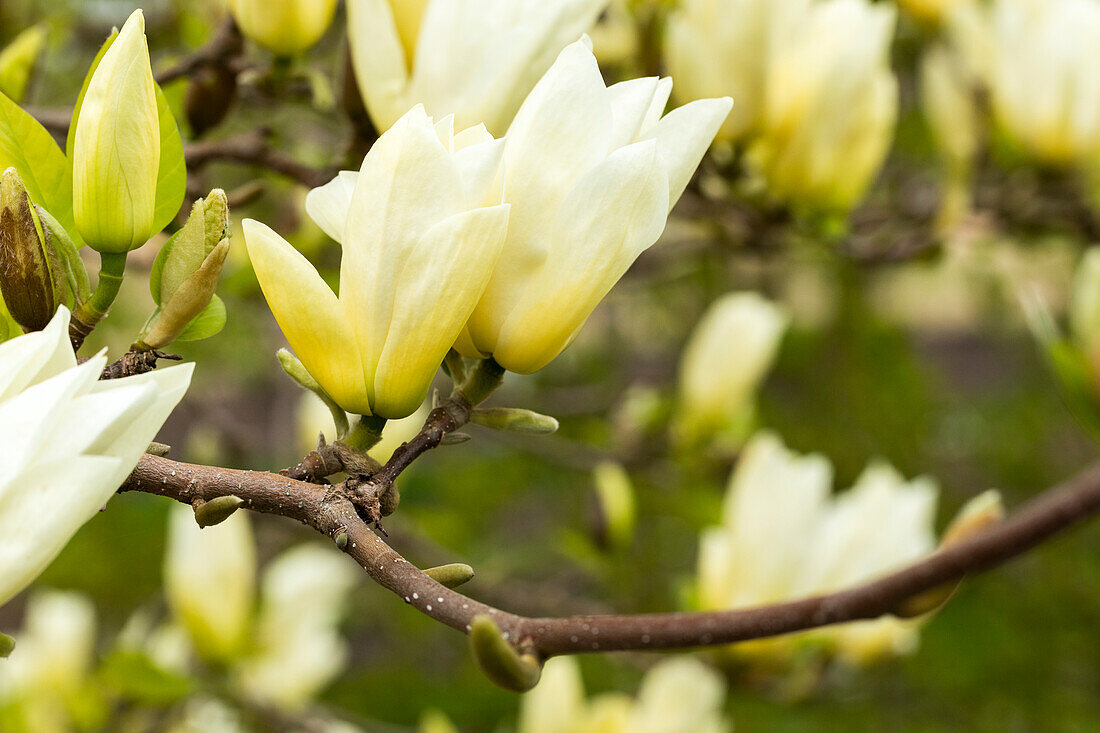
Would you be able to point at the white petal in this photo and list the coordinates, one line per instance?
(684, 135)
(630, 104)
(328, 205)
(482, 174)
(36, 356)
(381, 68)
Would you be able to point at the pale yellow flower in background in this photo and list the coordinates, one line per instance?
(116, 152)
(678, 695)
(951, 110)
(726, 358)
(931, 11)
(830, 106)
(785, 536)
(724, 48)
(422, 226)
(210, 581)
(69, 439)
(475, 59)
(592, 173)
(1038, 60)
(52, 661)
(1084, 307)
(298, 647)
(284, 27)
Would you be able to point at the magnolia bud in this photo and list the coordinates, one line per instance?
(186, 271)
(499, 660)
(514, 420)
(39, 267)
(284, 28)
(116, 148)
(216, 511)
(18, 59)
(7, 646)
(615, 506)
(451, 576)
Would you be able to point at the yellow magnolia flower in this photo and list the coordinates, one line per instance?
(931, 11)
(784, 536)
(116, 153)
(284, 27)
(1037, 59)
(475, 59)
(724, 362)
(592, 173)
(723, 47)
(830, 105)
(422, 226)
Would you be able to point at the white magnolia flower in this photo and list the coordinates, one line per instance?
(299, 649)
(678, 695)
(723, 48)
(784, 536)
(475, 59)
(1038, 59)
(724, 362)
(591, 174)
(69, 441)
(210, 581)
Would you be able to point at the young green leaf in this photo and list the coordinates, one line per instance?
(207, 323)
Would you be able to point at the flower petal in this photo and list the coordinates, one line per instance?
(328, 205)
(683, 136)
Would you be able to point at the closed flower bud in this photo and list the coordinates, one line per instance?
(451, 576)
(116, 150)
(18, 59)
(39, 267)
(514, 420)
(475, 59)
(186, 271)
(499, 660)
(615, 506)
(284, 27)
(592, 173)
(422, 226)
(725, 360)
(830, 106)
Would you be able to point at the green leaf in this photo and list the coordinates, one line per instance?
(26, 146)
(137, 678)
(172, 175)
(207, 323)
(156, 274)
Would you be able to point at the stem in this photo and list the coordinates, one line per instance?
(366, 433)
(112, 269)
(481, 382)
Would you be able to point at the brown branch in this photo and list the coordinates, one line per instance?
(253, 148)
(223, 47)
(330, 511)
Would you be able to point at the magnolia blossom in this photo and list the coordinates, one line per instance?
(209, 581)
(724, 362)
(830, 105)
(1084, 307)
(784, 536)
(678, 695)
(931, 11)
(592, 173)
(69, 441)
(1038, 59)
(285, 27)
(422, 225)
(475, 59)
(116, 148)
(724, 47)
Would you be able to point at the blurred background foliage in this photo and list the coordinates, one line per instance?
(903, 345)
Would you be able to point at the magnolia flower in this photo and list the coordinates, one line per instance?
(952, 114)
(285, 27)
(931, 11)
(1084, 309)
(724, 47)
(783, 536)
(724, 362)
(592, 173)
(1037, 59)
(422, 225)
(50, 666)
(116, 150)
(678, 695)
(830, 105)
(475, 59)
(69, 440)
(209, 581)
(298, 647)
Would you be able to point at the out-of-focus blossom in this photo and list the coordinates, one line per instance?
(116, 148)
(830, 105)
(592, 173)
(724, 362)
(49, 668)
(678, 695)
(285, 27)
(931, 11)
(1084, 308)
(298, 648)
(18, 59)
(69, 440)
(615, 36)
(422, 225)
(724, 48)
(784, 536)
(475, 59)
(950, 109)
(210, 581)
(1037, 59)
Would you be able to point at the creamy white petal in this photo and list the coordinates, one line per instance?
(381, 68)
(479, 167)
(631, 101)
(36, 356)
(683, 136)
(328, 205)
